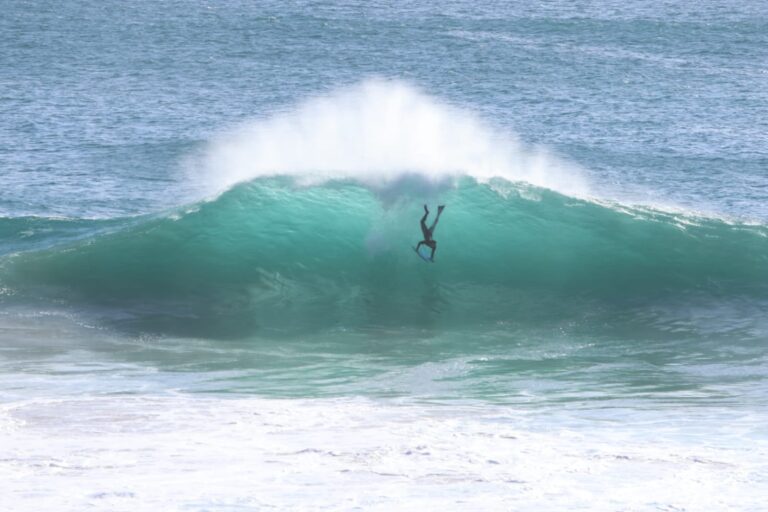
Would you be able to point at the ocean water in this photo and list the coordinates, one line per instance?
(209, 298)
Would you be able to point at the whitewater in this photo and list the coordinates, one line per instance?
(209, 298)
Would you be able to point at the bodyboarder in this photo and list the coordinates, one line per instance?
(429, 231)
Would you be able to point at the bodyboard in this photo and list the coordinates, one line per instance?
(424, 254)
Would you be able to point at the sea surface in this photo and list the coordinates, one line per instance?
(209, 299)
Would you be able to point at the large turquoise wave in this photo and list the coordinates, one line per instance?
(269, 254)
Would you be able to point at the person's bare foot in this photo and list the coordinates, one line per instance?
(426, 210)
(440, 208)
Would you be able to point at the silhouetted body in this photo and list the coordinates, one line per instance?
(429, 231)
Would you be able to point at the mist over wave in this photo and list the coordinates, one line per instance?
(377, 133)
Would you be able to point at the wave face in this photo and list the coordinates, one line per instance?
(270, 254)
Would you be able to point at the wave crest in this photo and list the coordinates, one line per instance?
(376, 133)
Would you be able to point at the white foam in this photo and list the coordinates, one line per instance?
(187, 452)
(376, 133)
(80, 431)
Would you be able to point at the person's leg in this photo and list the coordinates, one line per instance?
(439, 211)
(424, 230)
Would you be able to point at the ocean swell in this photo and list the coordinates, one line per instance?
(309, 218)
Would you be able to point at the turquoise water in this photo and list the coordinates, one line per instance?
(271, 256)
(207, 210)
